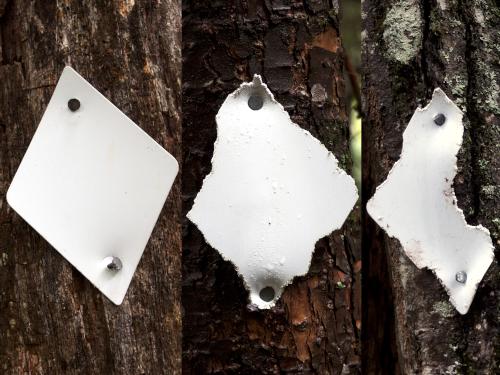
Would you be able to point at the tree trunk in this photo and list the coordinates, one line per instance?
(411, 47)
(52, 320)
(314, 327)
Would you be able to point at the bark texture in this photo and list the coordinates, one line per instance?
(315, 326)
(52, 320)
(410, 47)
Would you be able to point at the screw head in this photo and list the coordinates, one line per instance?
(255, 102)
(73, 104)
(267, 294)
(113, 263)
(461, 277)
(439, 119)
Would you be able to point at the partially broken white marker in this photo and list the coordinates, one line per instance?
(417, 204)
(274, 190)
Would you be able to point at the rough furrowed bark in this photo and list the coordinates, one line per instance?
(52, 320)
(314, 328)
(409, 48)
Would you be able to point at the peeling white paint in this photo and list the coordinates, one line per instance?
(417, 204)
(274, 190)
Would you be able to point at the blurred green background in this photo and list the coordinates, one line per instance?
(350, 32)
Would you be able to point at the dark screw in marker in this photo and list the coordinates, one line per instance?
(113, 263)
(73, 104)
(255, 102)
(267, 294)
(439, 119)
(461, 277)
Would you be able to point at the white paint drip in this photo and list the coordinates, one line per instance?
(274, 190)
(417, 204)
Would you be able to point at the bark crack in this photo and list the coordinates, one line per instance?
(425, 51)
(472, 113)
(472, 116)
(349, 254)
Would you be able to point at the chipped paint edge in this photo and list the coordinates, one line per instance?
(452, 198)
(257, 82)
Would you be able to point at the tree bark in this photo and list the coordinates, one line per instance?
(52, 320)
(410, 48)
(315, 326)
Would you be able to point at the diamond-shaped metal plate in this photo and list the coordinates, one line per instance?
(92, 183)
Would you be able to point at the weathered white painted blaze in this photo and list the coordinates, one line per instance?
(417, 204)
(274, 190)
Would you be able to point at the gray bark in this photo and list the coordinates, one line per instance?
(410, 48)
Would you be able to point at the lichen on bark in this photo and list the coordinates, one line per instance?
(403, 31)
(459, 54)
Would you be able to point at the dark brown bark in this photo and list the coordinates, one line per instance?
(52, 320)
(315, 326)
(411, 47)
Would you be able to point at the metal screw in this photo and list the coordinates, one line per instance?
(439, 119)
(73, 104)
(461, 277)
(267, 294)
(255, 102)
(113, 263)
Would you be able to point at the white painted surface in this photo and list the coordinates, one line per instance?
(92, 183)
(274, 190)
(417, 204)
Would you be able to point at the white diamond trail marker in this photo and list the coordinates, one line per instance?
(92, 183)
(417, 204)
(273, 192)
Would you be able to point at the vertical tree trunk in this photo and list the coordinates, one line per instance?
(315, 326)
(52, 320)
(411, 47)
